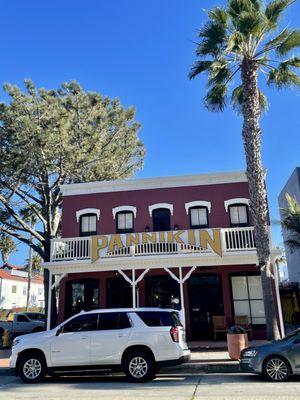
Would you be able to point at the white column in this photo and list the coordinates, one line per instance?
(49, 300)
(133, 289)
(182, 296)
(279, 306)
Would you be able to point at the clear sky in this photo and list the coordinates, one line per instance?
(141, 51)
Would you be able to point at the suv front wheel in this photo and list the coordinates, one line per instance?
(31, 368)
(139, 367)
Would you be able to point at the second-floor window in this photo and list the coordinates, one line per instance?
(161, 219)
(238, 214)
(124, 222)
(199, 217)
(88, 225)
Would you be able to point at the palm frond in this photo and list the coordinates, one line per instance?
(291, 42)
(283, 77)
(248, 23)
(237, 99)
(236, 7)
(235, 43)
(219, 72)
(291, 215)
(213, 37)
(292, 244)
(216, 97)
(292, 62)
(199, 67)
(275, 9)
(219, 15)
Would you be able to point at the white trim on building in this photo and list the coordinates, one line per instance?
(197, 203)
(153, 183)
(153, 207)
(230, 202)
(115, 210)
(87, 211)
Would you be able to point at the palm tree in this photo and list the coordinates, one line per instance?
(7, 246)
(241, 42)
(291, 222)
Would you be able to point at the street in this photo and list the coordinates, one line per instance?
(166, 386)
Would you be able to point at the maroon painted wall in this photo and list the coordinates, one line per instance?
(178, 196)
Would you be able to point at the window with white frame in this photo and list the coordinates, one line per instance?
(14, 289)
(88, 225)
(199, 217)
(124, 221)
(24, 290)
(40, 291)
(238, 214)
(248, 298)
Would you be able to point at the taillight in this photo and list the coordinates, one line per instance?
(175, 334)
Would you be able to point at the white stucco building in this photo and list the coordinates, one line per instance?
(13, 290)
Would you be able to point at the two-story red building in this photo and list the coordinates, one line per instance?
(183, 242)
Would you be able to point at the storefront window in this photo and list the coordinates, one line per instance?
(248, 298)
(81, 295)
(163, 292)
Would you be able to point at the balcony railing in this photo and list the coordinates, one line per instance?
(234, 240)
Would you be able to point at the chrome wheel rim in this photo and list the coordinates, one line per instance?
(32, 368)
(138, 367)
(277, 369)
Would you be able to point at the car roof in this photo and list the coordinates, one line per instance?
(151, 309)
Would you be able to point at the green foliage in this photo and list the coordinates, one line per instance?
(52, 137)
(240, 35)
(7, 246)
(291, 222)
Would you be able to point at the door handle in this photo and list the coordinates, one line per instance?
(121, 334)
(84, 337)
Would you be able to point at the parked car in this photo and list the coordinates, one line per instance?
(24, 322)
(276, 360)
(136, 341)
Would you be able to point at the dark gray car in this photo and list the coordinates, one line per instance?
(276, 360)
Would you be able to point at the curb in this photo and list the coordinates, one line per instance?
(204, 368)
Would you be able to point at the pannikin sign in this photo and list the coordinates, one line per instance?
(104, 245)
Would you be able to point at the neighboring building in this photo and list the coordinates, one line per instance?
(13, 289)
(184, 242)
(292, 187)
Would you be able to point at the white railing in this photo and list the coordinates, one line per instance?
(234, 240)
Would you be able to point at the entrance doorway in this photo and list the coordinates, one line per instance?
(162, 291)
(205, 300)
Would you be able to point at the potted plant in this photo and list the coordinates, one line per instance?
(237, 340)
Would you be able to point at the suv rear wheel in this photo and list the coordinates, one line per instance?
(32, 368)
(276, 369)
(139, 367)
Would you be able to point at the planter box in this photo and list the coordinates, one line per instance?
(236, 342)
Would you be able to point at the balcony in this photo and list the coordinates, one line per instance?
(224, 241)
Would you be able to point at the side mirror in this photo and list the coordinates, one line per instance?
(59, 331)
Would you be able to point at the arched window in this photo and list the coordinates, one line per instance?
(88, 224)
(161, 219)
(238, 214)
(124, 222)
(198, 217)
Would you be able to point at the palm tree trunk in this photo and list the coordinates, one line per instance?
(29, 277)
(257, 188)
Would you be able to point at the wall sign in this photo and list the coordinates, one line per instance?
(106, 245)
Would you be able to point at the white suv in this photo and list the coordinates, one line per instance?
(137, 341)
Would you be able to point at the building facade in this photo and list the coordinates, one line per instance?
(292, 187)
(181, 242)
(13, 290)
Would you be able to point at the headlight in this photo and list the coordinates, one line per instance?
(250, 353)
(15, 342)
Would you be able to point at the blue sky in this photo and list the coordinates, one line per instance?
(141, 52)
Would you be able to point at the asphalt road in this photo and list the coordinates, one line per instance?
(165, 386)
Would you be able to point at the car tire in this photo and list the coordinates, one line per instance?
(32, 368)
(276, 369)
(139, 366)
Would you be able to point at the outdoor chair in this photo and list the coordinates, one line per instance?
(219, 324)
(244, 322)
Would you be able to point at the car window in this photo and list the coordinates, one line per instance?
(159, 318)
(22, 318)
(113, 320)
(82, 323)
(36, 317)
